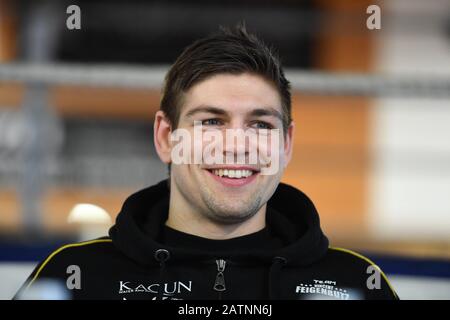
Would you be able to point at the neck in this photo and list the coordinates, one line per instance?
(184, 218)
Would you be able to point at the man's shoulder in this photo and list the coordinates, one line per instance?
(85, 256)
(347, 256)
(350, 262)
(353, 267)
(79, 253)
(82, 249)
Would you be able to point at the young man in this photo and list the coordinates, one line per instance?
(218, 229)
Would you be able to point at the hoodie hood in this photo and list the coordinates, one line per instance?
(145, 259)
(291, 216)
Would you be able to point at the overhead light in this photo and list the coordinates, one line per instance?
(86, 213)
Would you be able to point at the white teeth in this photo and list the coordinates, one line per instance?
(232, 173)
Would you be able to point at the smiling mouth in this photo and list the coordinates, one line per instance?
(232, 173)
(233, 177)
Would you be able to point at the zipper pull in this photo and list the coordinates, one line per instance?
(219, 285)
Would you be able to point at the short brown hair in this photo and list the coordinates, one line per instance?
(232, 51)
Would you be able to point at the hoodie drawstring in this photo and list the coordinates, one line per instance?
(161, 255)
(274, 275)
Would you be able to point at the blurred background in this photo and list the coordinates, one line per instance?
(372, 113)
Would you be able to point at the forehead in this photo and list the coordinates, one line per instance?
(234, 93)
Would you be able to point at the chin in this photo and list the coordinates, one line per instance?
(237, 213)
(231, 217)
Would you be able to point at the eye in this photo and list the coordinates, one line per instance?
(212, 122)
(262, 125)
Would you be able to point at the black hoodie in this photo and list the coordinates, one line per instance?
(143, 259)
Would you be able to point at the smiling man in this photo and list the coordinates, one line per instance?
(232, 203)
(218, 229)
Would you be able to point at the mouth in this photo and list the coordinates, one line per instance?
(233, 177)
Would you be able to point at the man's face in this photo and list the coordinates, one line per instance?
(231, 192)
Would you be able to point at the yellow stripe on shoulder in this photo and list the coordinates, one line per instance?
(353, 253)
(54, 253)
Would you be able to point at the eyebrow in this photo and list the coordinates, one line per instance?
(258, 112)
(207, 109)
(272, 112)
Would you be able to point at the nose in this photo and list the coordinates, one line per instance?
(236, 144)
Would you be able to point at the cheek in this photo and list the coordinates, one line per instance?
(183, 173)
(270, 147)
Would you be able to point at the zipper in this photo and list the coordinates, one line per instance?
(219, 284)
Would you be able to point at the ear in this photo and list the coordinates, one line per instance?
(161, 136)
(289, 144)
